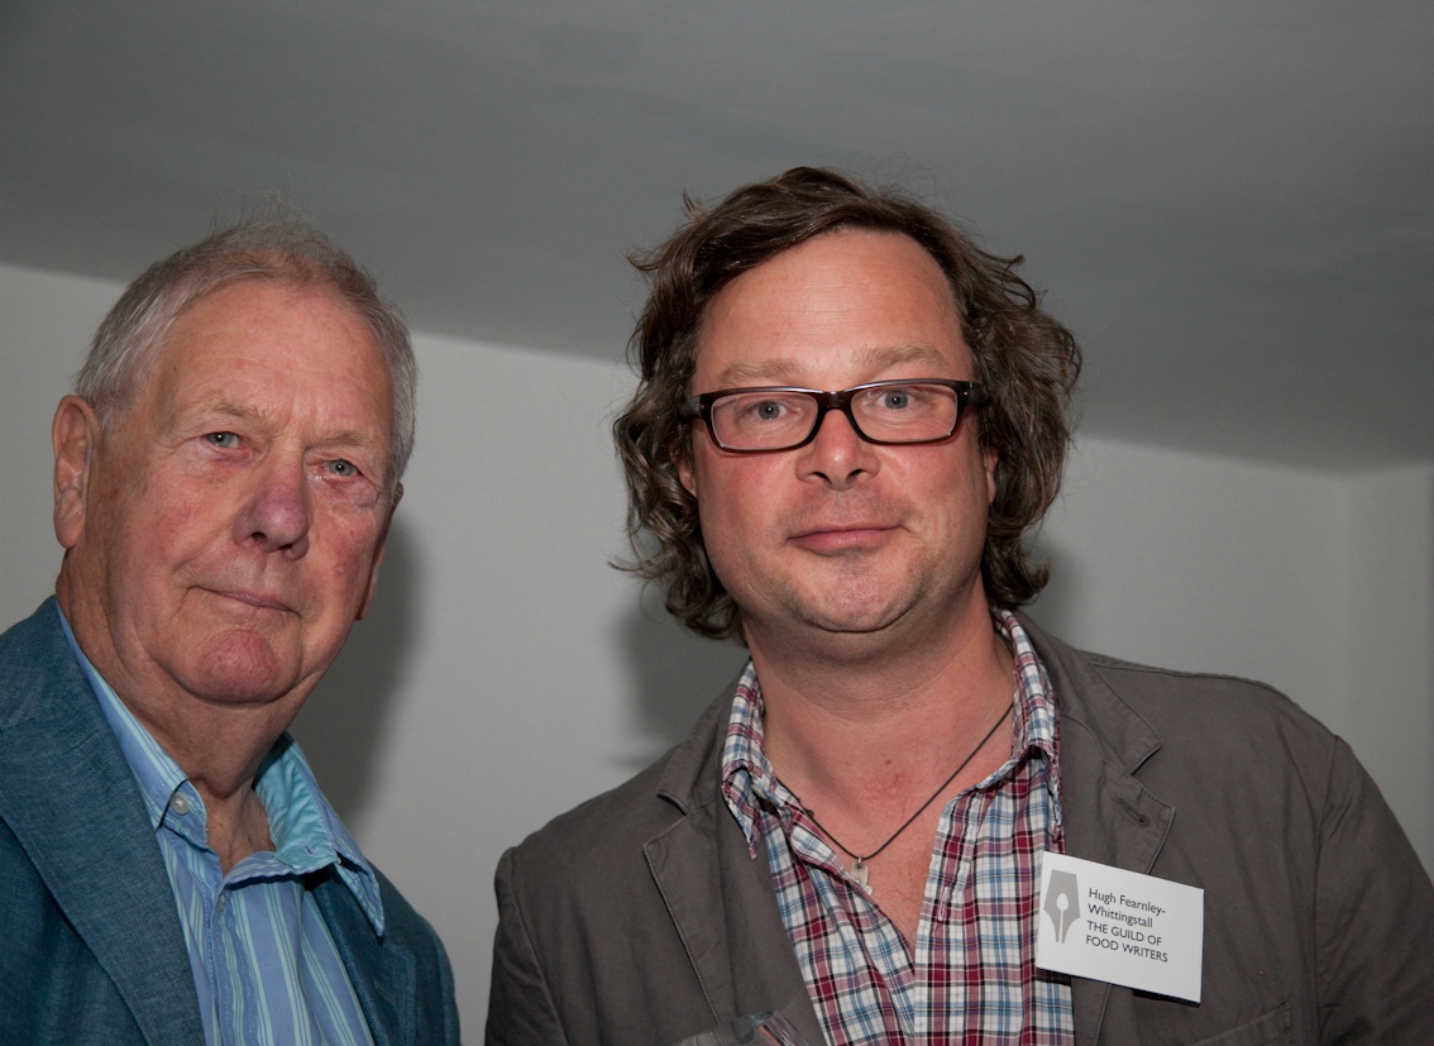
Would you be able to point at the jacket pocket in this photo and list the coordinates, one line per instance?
(1275, 1028)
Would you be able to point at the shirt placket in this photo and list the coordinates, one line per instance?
(185, 820)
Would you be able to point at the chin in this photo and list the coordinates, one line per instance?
(849, 625)
(861, 607)
(848, 618)
(242, 668)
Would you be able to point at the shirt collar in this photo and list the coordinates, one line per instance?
(749, 783)
(1037, 716)
(306, 832)
(747, 776)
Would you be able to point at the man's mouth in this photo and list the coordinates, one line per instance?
(258, 600)
(844, 537)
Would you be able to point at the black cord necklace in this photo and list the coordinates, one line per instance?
(858, 868)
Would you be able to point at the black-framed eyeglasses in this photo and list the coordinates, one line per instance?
(923, 410)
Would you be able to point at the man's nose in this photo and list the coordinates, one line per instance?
(837, 454)
(277, 515)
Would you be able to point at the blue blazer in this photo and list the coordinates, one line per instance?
(91, 948)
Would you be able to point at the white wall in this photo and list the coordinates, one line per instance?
(1387, 621)
(507, 672)
(46, 323)
(1321, 585)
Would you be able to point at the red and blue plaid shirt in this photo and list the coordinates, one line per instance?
(970, 976)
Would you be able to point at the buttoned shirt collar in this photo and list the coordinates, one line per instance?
(306, 832)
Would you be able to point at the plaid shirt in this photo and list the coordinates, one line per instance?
(971, 976)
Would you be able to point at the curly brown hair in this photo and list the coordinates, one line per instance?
(1027, 362)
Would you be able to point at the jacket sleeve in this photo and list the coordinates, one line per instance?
(520, 1006)
(1374, 918)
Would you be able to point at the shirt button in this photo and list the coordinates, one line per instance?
(179, 804)
(223, 900)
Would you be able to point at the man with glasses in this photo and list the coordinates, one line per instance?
(849, 419)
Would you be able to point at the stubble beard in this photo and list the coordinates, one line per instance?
(861, 614)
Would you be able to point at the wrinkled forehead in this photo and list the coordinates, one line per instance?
(258, 348)
(263, 315)
(154, 339)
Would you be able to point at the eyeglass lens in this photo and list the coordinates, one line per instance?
(770, 420)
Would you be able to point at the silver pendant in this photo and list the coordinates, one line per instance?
(858, 872)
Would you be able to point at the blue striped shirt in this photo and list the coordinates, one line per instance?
(265, 966)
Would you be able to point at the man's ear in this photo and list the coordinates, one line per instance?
(686, 475)
(991, 457)
(372, 589)
(75, 436)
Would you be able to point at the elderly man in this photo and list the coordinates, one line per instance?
(225, 476)
(848, 419)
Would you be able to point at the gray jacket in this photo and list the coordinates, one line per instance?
(639, 918)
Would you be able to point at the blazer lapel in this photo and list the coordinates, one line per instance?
(719, 897)
(1109, 816)
(72, 802)
(384, 976)
(722, 903)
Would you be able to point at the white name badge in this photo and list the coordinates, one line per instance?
(1123, 927)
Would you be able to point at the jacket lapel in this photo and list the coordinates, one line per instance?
(1109, 816)
(72, 802)
(720, 898)
(383, 975)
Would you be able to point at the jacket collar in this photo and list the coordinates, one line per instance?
(72, 802)
(384, 976)
(1110, 817)
(691, 776)
(720, 897)
(1103, 743)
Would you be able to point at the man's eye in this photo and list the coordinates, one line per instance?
(227, 440)
(343, 468)
(767, 410)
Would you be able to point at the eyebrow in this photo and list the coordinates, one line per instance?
(237, 410)
(779, 368)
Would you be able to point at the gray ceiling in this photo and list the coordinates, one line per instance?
(1231, 202)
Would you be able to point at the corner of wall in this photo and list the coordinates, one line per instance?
(1388, 638)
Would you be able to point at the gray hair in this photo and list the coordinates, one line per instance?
(276, 244)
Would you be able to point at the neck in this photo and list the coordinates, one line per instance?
(884, 725)
(217, 746)
(219, 750)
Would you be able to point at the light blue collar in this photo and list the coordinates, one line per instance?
(306, 832)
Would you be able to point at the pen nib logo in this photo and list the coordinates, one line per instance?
(1062, 902)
